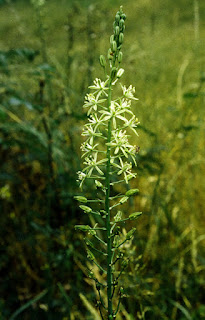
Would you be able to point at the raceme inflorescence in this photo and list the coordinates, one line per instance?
(108, 160)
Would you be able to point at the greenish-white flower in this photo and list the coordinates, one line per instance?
(95, 121)
(92, 103)
(88, 148)
(131, 124)
(90, 132)
(120, 142)
(81, 177)
(124, 104)
(125, 169)
(129, 92)
(92, 163)
(114, 114)
(100, 87)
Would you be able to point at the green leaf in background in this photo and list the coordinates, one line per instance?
(28, 304)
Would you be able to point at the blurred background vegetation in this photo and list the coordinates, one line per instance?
(48, 57)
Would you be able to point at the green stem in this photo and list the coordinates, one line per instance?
(120, 244)
(120, 221)
(103, 270)
(105, 244)
(107, 209)
(118, 306)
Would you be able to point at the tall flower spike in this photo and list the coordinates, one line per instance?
(108, 159)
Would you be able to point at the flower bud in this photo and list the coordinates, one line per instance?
(90, 255)
(113, 72)
(102, 61)
(118, 216)
(129, 177)
(119, 57)
(130, 233)
(117, 30)
(82, 228)
(121, 290)
(89, 243)
(121, 37)
(98, 184)
(114, 46)
(91, 275)
(117, 17)
(135, 215)
(124, 199)
(121, 23)
(110, 54)
(120, 73)
(86, 209)
(123, 16)
(92, 232)
(80, 199)
(111, 38)
(132, 192)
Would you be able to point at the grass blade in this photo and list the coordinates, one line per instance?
(182, 309)
(28, 304)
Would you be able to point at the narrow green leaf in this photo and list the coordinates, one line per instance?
(28, 304)
(182, 309)
(64, 294)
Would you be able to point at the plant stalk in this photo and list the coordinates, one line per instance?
(107, 209)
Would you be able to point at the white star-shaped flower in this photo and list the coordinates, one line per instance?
(100, 87)
(129, 92)
(92, 163)
(92, 103)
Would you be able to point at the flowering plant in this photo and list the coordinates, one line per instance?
(108, 159)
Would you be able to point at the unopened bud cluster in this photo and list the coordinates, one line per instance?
(117, 37)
